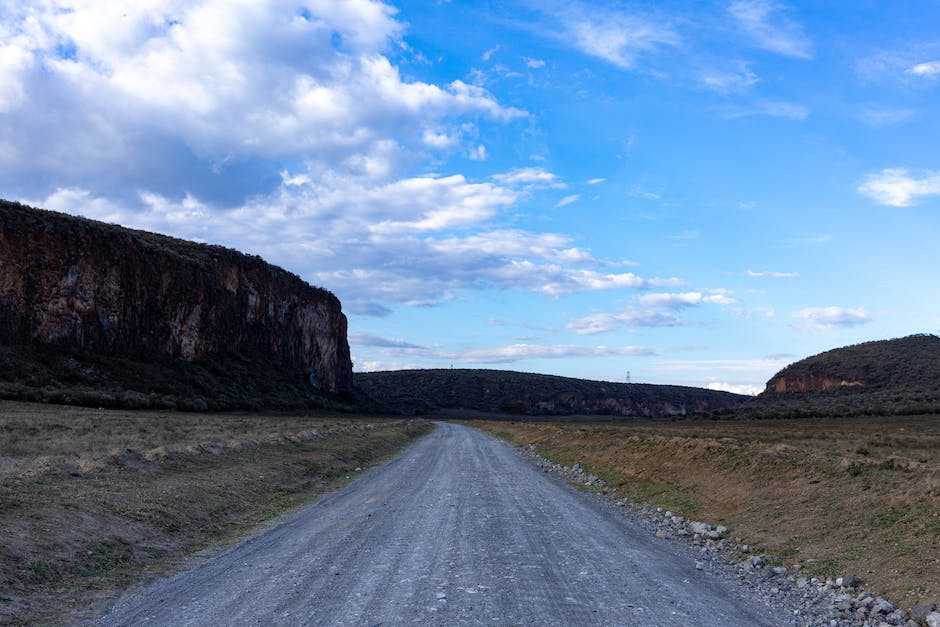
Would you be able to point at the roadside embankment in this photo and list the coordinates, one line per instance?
(830, 498)
(94, 500)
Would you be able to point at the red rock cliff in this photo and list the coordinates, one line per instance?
(83, 284)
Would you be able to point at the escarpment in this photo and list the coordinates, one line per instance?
(895, 376)
(80, 285)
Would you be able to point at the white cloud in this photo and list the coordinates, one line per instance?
(719, 296)
(478, 153)
(486, 56)
(567, 200)
(519, 352)
(614, 36)
(769, 26)
(773, 275)
(898, 187)
(671, 301)
(740, 388)
(357, 339)
(534, 176)
(414, 241)
(439, 139)
(14, 64)
(825, 318)
(931, 69)
(596, 181)
(605, 322)
(170, 91)
(687, 299)
(729, 80)
(533, 63)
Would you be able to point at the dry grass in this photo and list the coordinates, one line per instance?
(842, 496)
(92, 500)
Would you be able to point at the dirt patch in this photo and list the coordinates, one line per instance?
(93, 500)
(854, 496)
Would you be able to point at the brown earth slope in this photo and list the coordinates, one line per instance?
(831, 496)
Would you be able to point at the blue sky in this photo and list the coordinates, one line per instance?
(697, 193)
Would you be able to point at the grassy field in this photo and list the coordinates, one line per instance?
(857, 496)
(93, 500)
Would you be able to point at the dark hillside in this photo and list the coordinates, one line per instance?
(521, 393)
(888, 376)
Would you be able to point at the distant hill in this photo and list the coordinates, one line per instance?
(884, 377)
(97, 314)
(519, 393)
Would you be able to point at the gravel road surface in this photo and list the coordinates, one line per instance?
(459, 529)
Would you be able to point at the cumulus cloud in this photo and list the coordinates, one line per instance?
(414, 241)
(770, 27)
(605, 322)
(898, 187)
(158, 93)
(826, 318)
(930, 69)
(686, 299)
(739, 388)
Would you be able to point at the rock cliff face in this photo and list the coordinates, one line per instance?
(908, 363)
(785, 383)
(86, 285)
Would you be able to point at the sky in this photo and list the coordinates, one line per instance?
(690, 193)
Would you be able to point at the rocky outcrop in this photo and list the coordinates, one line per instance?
(884, 377)
(80, 284)
(809, 383)
(908, 363)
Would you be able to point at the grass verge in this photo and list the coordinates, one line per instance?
(92, 501)
(839, 496)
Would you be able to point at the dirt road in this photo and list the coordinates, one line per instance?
(459, 529)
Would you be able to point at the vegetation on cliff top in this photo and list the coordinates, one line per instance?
(535, 394)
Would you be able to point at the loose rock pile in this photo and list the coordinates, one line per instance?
(813, 602)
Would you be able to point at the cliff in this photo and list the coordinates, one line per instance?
(883, 377)
(519, 393)
(79, 285)
(906, 363)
